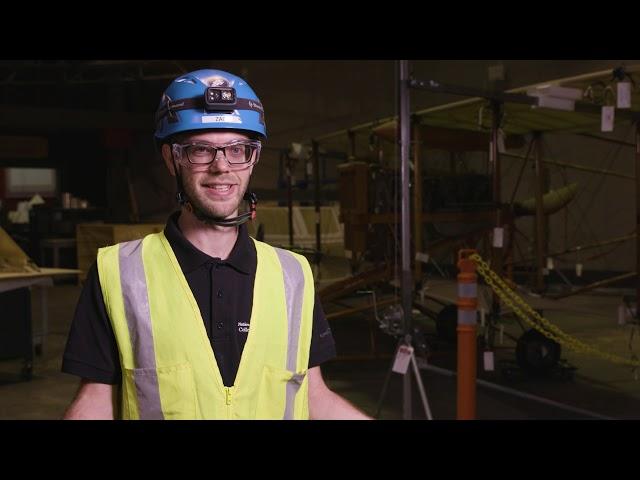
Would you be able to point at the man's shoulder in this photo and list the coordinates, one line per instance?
(127, 248)
(279, 250)
(135, 240)
(283, 254)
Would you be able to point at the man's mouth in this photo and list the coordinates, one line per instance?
(220, 189)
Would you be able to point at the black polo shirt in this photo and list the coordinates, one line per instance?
(224, 292)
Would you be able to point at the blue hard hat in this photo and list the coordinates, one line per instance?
(209, 99)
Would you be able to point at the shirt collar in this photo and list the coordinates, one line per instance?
(242, 256)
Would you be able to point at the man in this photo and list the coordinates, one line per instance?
(202, 321)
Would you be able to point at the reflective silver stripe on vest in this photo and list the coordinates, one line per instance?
(293, 386)
(294, 294)
(136, 308)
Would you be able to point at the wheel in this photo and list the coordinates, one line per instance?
(536, 354)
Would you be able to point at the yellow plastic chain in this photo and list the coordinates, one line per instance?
(514, 301)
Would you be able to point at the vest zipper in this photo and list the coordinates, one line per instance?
(227, 392)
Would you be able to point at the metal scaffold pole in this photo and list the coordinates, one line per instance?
(540, 223)
(406, 283)
(498, 232)
(638, 217)
(405, 350)
(316, 201)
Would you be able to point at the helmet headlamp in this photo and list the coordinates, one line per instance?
(216, 98)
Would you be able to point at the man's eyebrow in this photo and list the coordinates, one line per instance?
(225, 144)
(222, 143)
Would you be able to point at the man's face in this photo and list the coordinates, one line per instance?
(215, 189)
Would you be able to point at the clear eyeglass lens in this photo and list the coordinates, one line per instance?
(236, 154)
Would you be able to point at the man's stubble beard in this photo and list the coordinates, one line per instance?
(205, 211)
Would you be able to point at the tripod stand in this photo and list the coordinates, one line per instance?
(405, 352)
(404, 356)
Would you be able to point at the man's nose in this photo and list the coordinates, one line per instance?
(219, 162)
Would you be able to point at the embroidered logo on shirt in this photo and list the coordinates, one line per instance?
(243, 327)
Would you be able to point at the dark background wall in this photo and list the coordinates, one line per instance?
(98, 119)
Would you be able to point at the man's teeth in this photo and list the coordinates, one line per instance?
(221, 188)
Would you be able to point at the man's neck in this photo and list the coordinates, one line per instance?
(214, 240)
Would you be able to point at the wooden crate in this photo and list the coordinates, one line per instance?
(275, 221)
(92, 236)
(353, 192)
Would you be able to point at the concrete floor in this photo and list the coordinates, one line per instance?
(49, 392)
(600, 387)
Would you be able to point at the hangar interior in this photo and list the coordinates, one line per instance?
(392, 178)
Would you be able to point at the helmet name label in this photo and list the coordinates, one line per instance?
(221, 119)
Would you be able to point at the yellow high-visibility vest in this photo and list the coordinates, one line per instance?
(169, 370)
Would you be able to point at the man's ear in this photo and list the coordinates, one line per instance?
(168, 159)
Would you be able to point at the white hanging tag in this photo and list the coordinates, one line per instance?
(422, 257)
(623, 98)
(578, 269)
(608, 118)
(501, 147)
(488, 362)
(296, 150)
(403, 357)
(549, 263)
(622, 314)
(498, 237)
(310, 168)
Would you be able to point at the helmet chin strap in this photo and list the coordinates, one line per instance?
(184, 201)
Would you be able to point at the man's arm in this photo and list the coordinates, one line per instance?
(327, 405)
(94, 401)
